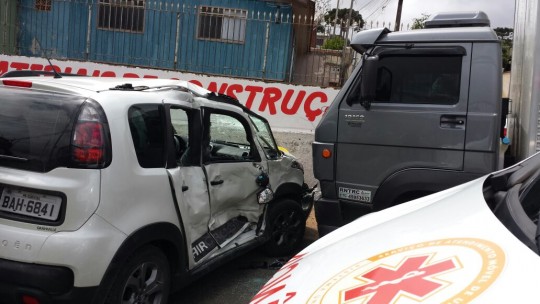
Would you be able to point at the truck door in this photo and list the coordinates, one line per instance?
(417, 119)
(232, 165)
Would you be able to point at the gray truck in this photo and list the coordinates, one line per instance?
(422, 112)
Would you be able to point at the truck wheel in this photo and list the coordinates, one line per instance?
(145, 278)
(286, 224)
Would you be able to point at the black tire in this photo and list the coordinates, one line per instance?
(286, 224)
(144, 278)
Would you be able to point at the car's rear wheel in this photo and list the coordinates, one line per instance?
(145, 278)
(286, 224)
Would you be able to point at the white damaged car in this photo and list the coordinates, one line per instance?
(122, 190)
(477, 242)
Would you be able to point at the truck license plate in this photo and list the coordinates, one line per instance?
(31, 204)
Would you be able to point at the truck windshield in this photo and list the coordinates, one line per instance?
(265, 137)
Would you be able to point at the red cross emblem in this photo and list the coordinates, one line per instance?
(412, 277)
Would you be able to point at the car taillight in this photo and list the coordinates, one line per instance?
(89, 146)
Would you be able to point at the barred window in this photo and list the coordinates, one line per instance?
(124, 15)
(43, 5)
(222, 24)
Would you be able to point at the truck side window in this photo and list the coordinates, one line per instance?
(419, 79)
(227, 141)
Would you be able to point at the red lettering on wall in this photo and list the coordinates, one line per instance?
(212, 86)
(297, 102)
(82, 72)
(311, 114)
(270, 97)
(223, 88)
(233, 89)
(36, 67)
(108, 74)
(4, 65)
(130, 75)
(196, 82)
(253, 90)
(19, 66)
(49, 68)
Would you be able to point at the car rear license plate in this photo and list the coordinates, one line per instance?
(38, 205)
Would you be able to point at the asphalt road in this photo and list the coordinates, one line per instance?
(238, 281)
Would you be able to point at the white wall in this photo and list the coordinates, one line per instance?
(289, 108)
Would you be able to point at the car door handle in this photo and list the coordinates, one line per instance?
(185, 188)
(216, 182)
(453, 122)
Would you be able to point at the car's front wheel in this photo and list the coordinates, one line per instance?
(286, 224)
(144, 279)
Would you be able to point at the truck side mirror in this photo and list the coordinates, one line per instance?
(369, 80)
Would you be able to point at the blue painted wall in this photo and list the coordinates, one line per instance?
(62, 32)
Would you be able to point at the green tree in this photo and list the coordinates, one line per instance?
(343, 15)
(334, 43)
(321, 6)
(419, 23)
(506, 35)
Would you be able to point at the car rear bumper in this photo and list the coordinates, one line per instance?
(46, 284)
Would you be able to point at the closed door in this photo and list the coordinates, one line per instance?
(418, 119)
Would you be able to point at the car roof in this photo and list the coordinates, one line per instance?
(77, 84)
(86, 86)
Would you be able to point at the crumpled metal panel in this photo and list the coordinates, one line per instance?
(193, 203)
(236, 195)
(280, 171)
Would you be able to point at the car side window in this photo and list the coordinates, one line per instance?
(184, 152)
(418, 80)
(227, 140)
(146, 123)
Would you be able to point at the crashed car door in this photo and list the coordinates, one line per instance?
(233, 164)
(187, 178)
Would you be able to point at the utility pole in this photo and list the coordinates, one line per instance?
(398, 16)
(335, 18)
(344, 59)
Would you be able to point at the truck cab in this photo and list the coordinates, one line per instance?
(421, 113)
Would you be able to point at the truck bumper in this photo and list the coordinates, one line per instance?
(332, 213)
(41, 284)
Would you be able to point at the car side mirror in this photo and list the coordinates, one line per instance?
(369, 80)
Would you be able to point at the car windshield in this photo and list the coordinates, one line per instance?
(265, 138)
(513, 195)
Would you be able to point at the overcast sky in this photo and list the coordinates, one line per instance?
(500, 12)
